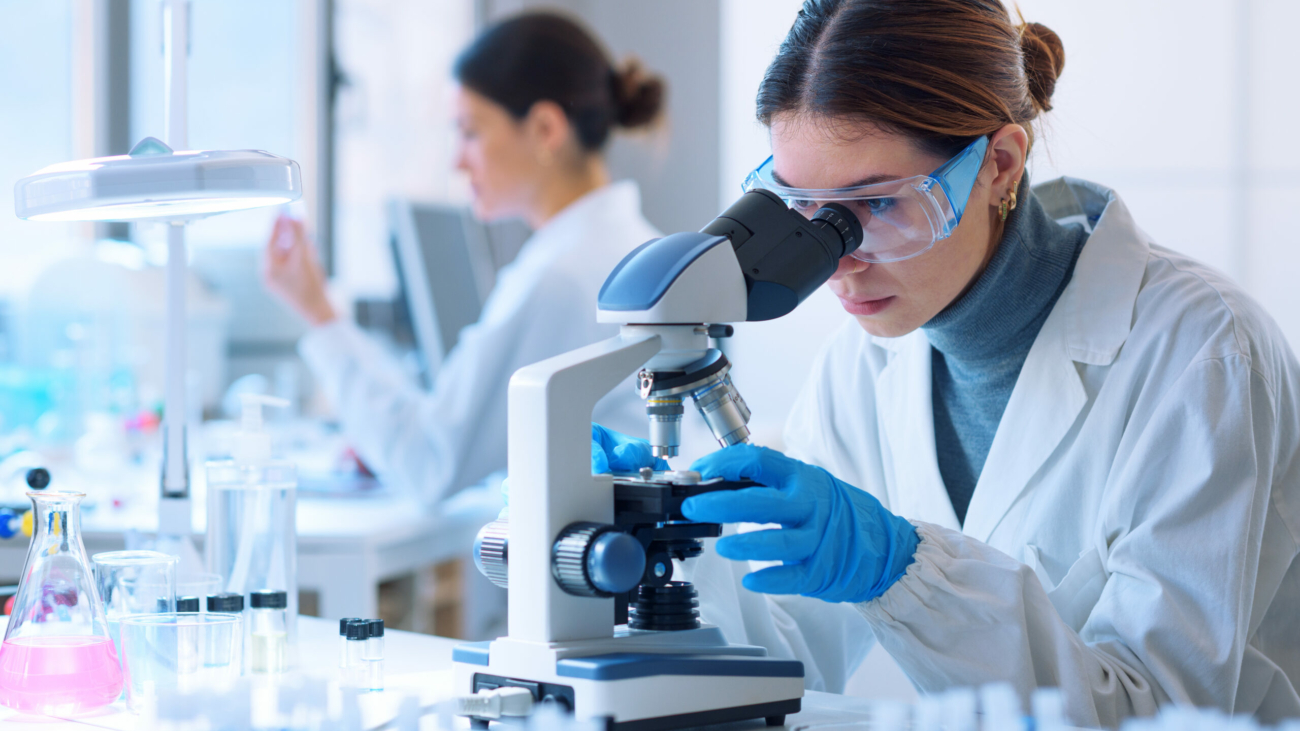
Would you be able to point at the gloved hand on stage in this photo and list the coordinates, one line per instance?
(837, 543)
(615, 452)
(611, 451)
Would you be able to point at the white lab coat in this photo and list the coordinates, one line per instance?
(1133, 536)
(434, 443)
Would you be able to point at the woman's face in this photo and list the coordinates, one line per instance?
(891, 299)
(497, 154)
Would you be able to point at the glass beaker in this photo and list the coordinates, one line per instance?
(181, 652)
(198, 585)
(57, 657)
(134, 582)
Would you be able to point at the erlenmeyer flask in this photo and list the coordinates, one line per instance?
(57, 657)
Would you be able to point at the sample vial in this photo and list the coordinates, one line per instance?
(343, 642)
(187, 604)
(374, 655)
(268, 636)
(225, 603)
(355, 673)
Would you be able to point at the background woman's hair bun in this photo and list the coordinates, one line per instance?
(638, 95)
(1044, 56)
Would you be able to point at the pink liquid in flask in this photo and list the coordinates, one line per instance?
(59, 675)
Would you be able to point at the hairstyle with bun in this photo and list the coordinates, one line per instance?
(941, 71)
(543, 56)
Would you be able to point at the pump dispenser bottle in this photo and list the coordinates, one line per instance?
(252, 534)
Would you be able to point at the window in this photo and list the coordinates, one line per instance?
(36, 124)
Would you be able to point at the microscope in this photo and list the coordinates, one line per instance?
(597, 625)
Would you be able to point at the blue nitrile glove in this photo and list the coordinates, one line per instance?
(615, 452)
(838, 543)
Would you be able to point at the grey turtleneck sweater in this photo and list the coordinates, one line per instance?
(981, 340)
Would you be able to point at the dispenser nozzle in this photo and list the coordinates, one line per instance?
(252, 443)
(250, 418)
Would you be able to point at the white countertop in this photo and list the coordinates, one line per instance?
(414, 664)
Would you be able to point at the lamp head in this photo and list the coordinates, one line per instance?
(155, 183)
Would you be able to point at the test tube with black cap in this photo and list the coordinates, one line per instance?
(343, 640)
(374, 654)
(227, 603)
(358, 634)
(187, 604)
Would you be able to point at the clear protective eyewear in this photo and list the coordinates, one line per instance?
(900, 218)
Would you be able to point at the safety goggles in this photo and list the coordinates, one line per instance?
(900, 218)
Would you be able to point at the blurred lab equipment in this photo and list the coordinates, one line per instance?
(187, 604)
(15, 508)
(268, 638)
(581, 552)
(134, 582)
(444, 270)
(94, 325)
(57, 657)
(181, 652)
(252, 539)
(158, 182)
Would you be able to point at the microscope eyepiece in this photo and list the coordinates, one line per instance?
(783, 256)
(842, 221)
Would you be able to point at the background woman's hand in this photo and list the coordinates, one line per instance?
(292, 271)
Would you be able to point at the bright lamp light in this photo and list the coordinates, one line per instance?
(153, 182)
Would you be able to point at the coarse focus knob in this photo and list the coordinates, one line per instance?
(597, 560)
(491, 551)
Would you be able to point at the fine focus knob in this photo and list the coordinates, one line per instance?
(491, 551)
(597, 560)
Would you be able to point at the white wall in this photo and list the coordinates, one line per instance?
(395, 133)
(771, 359)
(1187, 107)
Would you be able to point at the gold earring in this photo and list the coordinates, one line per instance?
(1014, 188)
(1002, 210)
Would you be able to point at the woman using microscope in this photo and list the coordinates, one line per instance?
(1048, 451)
(537, 101)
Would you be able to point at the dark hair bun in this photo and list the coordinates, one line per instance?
(1044, 59)
(638, 95)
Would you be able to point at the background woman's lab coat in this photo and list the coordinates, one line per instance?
(433, 443)
(1133, 536)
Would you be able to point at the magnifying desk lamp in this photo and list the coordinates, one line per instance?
(168, 184)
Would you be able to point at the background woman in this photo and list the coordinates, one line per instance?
(537, 101)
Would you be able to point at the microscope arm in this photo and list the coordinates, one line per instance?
(551, 484)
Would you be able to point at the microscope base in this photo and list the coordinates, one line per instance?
(631, 689)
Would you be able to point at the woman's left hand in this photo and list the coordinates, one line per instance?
(837, 543)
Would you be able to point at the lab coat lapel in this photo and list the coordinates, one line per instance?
(1088, 325)
(907, 423)
(1044, 405)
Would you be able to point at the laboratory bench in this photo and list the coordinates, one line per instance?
(414, 664)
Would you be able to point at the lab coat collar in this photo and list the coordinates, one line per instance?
(1100, 299)
(1089, 324)
(1102, 293)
